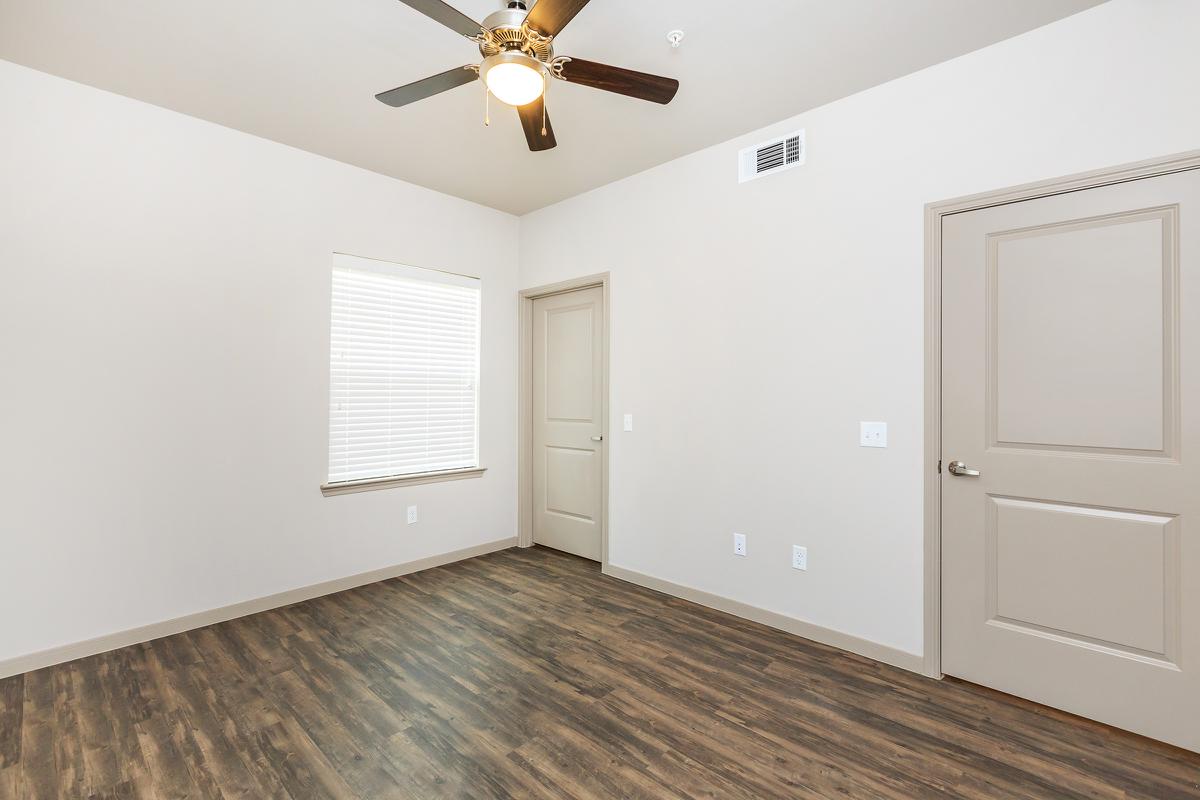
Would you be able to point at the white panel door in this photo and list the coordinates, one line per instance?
(1071, 383)
(568, 414)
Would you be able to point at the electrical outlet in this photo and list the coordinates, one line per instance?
(739, 544)
(628, 422)
(412, 514)
(799, 557)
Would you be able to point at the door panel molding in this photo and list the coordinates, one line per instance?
(1166, 240)
(934, 214)
(1156, 534)
(525, 505)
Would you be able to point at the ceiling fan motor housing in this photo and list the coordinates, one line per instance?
(505, 30)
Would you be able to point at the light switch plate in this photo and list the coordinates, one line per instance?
(629, 422)
(872, 434)
(412, 514)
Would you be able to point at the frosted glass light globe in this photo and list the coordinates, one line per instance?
(514, 78)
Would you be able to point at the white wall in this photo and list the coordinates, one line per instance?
(755, 325)
(164, 346)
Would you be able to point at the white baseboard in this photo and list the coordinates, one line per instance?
(842, 641)
(157, 630)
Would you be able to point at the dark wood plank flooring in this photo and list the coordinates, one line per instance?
(527, 673)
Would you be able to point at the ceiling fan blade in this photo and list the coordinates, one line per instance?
(641, 85)
(449, 16)
(531, 121)
(548, 17)
(434, 84)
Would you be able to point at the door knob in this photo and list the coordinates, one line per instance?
(597, 438)
(959, 468)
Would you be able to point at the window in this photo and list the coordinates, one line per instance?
(403, 371)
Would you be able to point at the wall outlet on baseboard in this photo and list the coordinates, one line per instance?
(739, 544)
(412, 514)
(799, 557)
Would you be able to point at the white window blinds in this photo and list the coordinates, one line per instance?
(403, 370)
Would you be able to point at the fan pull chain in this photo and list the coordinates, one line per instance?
(487, 106)
(545, 88)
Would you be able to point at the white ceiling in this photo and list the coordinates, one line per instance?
(304, 72)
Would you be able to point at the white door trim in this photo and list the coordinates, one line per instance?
(525, 406)
(934, 212)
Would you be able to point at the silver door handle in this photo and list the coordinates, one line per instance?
(597, 438)
(959, 468)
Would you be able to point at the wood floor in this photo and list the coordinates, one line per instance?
(527, 673)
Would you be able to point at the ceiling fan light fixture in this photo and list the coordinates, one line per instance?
(513, 77)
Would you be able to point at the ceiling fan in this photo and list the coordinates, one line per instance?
(517, 45)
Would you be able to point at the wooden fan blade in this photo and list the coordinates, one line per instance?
(449, 16)
(641, 85)
(428, 87)
(548, 17)
(531, 121)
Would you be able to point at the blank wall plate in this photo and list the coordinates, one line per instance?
(412, 514)
(872, 434)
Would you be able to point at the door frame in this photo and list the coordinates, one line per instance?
(934, 212)
(525, 405)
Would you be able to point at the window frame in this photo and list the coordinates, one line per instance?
(355, 485)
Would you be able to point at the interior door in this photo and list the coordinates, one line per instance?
(1071, 385)
(568, 415)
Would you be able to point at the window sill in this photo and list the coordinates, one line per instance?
(371, 484)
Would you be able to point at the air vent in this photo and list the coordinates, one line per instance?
(771, 157)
